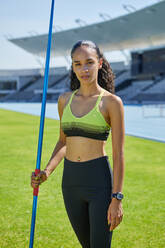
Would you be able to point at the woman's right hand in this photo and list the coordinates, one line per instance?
(37, 180)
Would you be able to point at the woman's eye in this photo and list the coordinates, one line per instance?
(77, 64)
(90, 62)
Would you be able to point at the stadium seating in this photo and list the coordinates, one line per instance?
(30, 87)
(131, 89)
(121, 77)
(24, 96)
(159, 87)
(153, 94)
(135, 88)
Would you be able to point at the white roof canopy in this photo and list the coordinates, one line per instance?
(140, 29)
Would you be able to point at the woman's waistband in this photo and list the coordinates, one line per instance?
(92, 173)
(87, 162)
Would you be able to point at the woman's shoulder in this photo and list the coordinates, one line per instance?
(62, 101)
(112, 101)
(110, 97)
(64, 98)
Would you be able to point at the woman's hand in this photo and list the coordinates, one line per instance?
(37, 180)
(115, 213)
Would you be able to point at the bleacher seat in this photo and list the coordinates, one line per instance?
(157, 88)
(135, 88)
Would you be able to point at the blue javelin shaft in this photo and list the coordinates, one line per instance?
(45, 89)
(42, 118)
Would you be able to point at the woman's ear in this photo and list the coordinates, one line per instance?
(100, 63)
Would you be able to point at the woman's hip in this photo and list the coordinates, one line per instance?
(92, 173)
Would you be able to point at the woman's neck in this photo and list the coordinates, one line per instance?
(89, 90)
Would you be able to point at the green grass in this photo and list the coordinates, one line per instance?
(143, 225)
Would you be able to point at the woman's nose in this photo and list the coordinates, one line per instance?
(85, 68)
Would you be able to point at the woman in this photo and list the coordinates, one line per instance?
(92, 200)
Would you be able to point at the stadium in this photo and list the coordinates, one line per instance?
(139, 82)
(142, 80)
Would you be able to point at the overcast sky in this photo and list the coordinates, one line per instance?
(23, 18)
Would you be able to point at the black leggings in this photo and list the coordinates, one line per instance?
(87, 189)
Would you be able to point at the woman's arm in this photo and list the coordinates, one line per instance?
(116, 114)
(60, 148)
(57, 155)
(118, 133)
(58, 152)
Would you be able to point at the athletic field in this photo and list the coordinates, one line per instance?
(143, 225)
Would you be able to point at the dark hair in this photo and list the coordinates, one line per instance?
(105, 74)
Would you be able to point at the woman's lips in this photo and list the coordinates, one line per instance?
(85, 77)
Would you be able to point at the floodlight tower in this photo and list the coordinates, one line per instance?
(33, 32)
(105, 16)
(80, 22)
(129, 8)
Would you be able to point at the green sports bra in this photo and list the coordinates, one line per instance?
(91, 125)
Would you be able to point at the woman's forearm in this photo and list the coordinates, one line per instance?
(57, 155)
(118, 173)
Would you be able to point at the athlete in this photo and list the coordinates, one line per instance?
(92, 192)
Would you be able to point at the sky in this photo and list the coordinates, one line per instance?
(19, 18)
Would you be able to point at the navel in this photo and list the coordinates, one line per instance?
(78, 158)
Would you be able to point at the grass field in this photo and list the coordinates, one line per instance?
(143, 225)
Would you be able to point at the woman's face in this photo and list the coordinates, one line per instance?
(86, 64)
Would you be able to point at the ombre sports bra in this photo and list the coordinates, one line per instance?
(91, 125)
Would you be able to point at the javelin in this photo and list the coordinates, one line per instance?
(42, 118)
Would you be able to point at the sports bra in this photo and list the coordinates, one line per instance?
(91, 125)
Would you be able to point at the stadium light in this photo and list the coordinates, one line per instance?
(80, 22)
(105, 16)
(57, 28)
(129, 8)
(33, 32)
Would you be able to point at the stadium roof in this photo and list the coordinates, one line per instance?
(140, 29)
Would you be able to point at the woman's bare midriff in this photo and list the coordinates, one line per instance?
(80, 149)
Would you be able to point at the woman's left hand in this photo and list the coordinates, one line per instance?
(115, 213)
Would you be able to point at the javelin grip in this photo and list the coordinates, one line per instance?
(36, 190)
